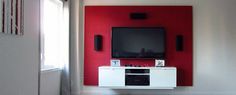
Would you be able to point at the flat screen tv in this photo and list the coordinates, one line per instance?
(138, 42)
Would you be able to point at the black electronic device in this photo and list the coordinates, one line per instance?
(138, 16)
(179, 43)
(98, 42)
(138, 42)
(137, 77)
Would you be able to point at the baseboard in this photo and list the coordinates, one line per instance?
(106, 91)
(196, 93)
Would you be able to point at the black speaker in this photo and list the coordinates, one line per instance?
(138, 16)
(179, 43)
(98, 42)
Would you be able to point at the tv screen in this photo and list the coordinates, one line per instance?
(138, 42)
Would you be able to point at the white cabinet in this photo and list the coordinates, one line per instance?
(111, 76)
(163, 77)
(152, 77)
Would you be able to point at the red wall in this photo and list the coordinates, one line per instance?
(177, 20)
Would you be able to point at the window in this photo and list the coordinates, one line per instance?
(54, 34)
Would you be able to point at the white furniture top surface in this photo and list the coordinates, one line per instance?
(123, 67)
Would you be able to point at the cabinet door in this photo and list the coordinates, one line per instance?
(111, 77)
(163, 77)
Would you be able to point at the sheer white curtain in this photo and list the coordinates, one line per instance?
(71, 75)
(66, 73)
(70, 79)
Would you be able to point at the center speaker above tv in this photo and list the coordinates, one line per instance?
(138, 42)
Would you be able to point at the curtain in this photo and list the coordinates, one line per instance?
(70, 78)
(66, 73)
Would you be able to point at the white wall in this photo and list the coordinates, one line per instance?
(19, 56)
(50, 82)
(214, 48)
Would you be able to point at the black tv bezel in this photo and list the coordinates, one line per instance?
(162, 57)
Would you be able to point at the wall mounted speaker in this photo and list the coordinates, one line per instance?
(138, 16)
(179, 43)
(98, 42)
